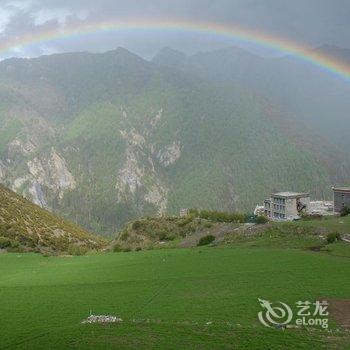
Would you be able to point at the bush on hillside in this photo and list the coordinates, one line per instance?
(184, 222)
(117, 248)
(345, 211)
(165, 236)
(74, 249)
(261, 220)
(219, 216)
(124, 235)
(7, 243)
(333, 237)
(206, 240)
(136, 225)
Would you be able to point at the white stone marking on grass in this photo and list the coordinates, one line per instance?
(102, 319)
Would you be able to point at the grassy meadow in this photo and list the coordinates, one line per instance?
(198, 298)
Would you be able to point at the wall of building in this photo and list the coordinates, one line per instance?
(291, 207)
(341, 199)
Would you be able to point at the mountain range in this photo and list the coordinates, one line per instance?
(104, 138)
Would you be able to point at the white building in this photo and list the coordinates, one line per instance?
(184, 213)
(323, 208)
(259, 210)
(287, 205)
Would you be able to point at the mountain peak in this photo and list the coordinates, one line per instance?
(122, 52)
(170, 57)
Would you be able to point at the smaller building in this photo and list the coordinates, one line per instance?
(287, 205)
(184, 213)
(259, 210)
(324, 208)
(341, 198)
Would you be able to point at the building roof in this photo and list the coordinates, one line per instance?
(290, 194)
(341, 189)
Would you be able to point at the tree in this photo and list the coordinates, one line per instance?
(345, 211)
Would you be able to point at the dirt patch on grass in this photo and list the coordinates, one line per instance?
(318, 248)
(218, 230)
(339, 311)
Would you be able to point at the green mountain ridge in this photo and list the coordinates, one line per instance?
(104, 138)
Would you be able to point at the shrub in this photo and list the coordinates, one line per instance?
(191, 227)
(193, 212)
(162, 235)
(184, 222)
(345, 211)
(333, 237)
(117, 248)
(136, 225)
(261, 219)
(206, 240)
(124, 235)
(5, 243)
(208, 225)
(74, 249)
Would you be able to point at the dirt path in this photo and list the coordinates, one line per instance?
(339, 310)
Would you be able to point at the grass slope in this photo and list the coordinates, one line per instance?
(171, 232)
(34, 228)
(166, 298)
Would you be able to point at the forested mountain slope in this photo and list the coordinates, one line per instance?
(104, 138)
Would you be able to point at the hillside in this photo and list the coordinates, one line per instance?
(27, 227)
(187, 232)
(168, 232)
(103, 139)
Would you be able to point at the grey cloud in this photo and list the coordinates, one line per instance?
(313, 22)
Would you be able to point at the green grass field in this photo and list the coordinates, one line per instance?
(167, 297)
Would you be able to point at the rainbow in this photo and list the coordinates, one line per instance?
(80, 29)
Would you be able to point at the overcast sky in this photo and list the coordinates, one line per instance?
(312, 22)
